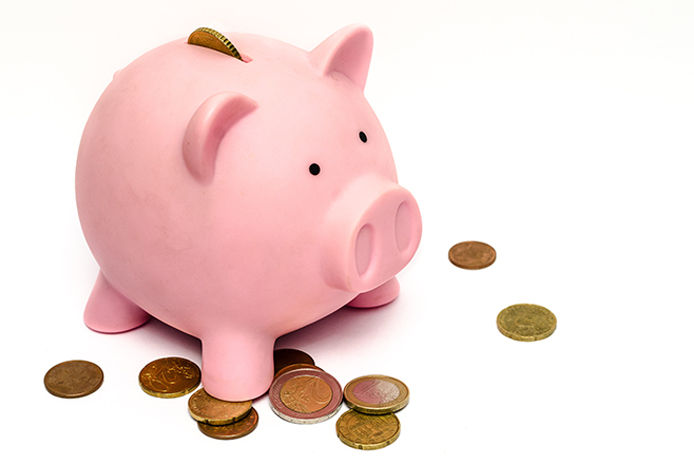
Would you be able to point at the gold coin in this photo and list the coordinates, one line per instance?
(367, 432)
(472, 255)
(296, 366)
(306, 394)
(286, 357)
(169, 377)
(210, 38)
(75, 378)
(376, 394)
(233, 430)
(206, 409)
(526, 322)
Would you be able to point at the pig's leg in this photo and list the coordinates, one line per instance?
(236, 365)
(108, 311)
(381, 295)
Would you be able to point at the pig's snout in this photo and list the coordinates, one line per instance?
(374, 228)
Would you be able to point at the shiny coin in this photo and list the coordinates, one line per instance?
(169, 377)
(376, 394)
(210, 38)
(296, 366)
(526, 322)
(367, 432)
(305, 395)
(286, 357)
(233, 430)
(472, 255)
(75, 378)
(206, 409)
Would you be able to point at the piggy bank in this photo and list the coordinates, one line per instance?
(240, 199)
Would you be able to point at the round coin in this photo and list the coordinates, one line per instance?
(210, 38)
(75, 378)
(305, 396)
(295, 367)
(206, 409)
(376, 394)
(367, 432)
(233, 430)
(472, 255)
(286, 357)
(526, 322)
(169, 377)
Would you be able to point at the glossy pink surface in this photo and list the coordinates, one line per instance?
(195, 196)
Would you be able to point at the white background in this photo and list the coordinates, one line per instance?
(559, 132)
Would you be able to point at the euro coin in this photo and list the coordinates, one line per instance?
(75, 378)
(367, 432)
(210, 38)
(169, 377)
(296, 366)
(206, 409)
(526, 322)
(305, 396)
(286, 357)
(376, 394)
(472, 255)
(233, 430)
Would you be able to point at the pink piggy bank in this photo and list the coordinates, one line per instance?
(239, 199)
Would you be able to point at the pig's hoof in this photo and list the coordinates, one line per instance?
(108, 311)
(379, 296)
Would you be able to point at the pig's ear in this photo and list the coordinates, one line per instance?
(211, 121)
(347, 51)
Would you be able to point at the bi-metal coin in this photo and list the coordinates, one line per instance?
(206, 409)
(367, 432)
(376, 394)
(472, 255)
(169, 377)
(305, 396)
(526, 322)
(75, 378)
(233, 430)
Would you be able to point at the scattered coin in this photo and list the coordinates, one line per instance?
(472, 255)
(233, 430)
(305, 395)
(75, 378)
(376, 394)
(206, 409)
(367, 432)
(169, 377)
(526, 322)
(286, 357)
(295, 367)
(210, 38)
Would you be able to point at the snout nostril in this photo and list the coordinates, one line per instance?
(363, 249)
(403, 226)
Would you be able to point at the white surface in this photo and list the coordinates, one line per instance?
(559, 133)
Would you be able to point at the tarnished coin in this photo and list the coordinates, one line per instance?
(286, 357)
(526, 322)
(233, 430)
(75, 378)
(296, 366)
(367, 432)
(210, 38)
(206, 409)
(169, 377)
(305, 396)
(472, 255)
(376, 394)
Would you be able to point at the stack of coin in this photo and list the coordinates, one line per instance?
(371, 423)
(221, 419)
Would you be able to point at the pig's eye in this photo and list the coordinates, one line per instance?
(362, 136)
(314, 169)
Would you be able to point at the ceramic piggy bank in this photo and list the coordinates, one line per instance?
(239, 199)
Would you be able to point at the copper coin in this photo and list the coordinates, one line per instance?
(305, 395)
(75, 378)
(169, 377)
(472, 255)
(376, 394)
(233, 430)
(526, 322)
(285, 357)
(206, 409)
(295, 367)
(367, 432)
